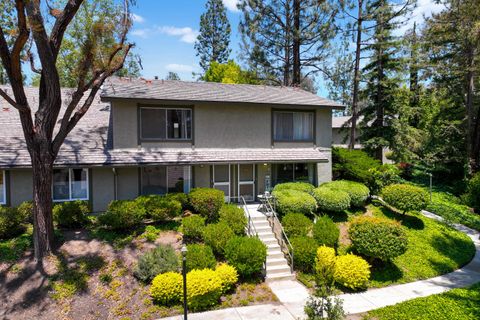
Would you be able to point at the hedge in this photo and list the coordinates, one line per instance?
(246, 254)
(207, 202)
(357, 191)
(294, 201)
(331, 200)
(406, 197)
(296, 224)
(326, 232)
(234, 217)
(299, 186)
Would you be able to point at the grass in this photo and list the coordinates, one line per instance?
(12, 249)
(433, 249)
(458, 304)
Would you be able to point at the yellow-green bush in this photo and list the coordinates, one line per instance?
(325, 265)
(352, 271)
(204, 288)
(228, 275)
(167, 288)
(331, 200)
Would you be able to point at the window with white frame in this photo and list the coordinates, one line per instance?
(165, 123)
(293, 126)
(3, 189)
(70, 184)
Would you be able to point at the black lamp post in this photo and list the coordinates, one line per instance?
(184, 273)
(430, 175)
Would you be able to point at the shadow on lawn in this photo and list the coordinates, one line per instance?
(407, 220)
(385, 272)
(459, 250)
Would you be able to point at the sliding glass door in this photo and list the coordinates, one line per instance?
(246, 181)
(221, 179)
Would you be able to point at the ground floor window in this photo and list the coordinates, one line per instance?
(3, 191)
(70, 184)
(288, 172)
(165, 179)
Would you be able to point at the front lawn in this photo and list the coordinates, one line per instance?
(458, 304)
(433, 249)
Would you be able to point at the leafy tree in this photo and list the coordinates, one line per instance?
(214, 38)
(229, 72)
(286, 40)
(172, 76)
(100, 57)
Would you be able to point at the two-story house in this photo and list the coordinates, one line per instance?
(154, 136)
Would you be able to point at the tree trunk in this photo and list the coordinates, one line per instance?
(471, 126)
(296, 79)
(42, 165)
(287, 65)
(356, 78)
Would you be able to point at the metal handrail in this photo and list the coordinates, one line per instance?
(250, 224)
(288, 247)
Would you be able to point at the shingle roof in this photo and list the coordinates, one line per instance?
(170, 90)
(89, 144)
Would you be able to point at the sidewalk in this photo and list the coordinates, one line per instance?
(293, 295)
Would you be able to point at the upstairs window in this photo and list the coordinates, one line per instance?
(70, 184)
(3, 193)
(165, 124)
(293, 126)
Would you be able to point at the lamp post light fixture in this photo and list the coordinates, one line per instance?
(430, 175)
(184, 273)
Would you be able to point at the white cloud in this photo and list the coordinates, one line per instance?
(142, 33)
(186, 34)
(231, 5)
(137, 18)
(425, 9)
(175, 67)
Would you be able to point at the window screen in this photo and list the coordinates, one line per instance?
(166, 123)
(293, 126)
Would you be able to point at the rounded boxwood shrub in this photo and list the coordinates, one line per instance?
(299, 186)
(326, 232)
(352, 271)
(228, 275)
(71, 214)
(296, 225)
(294, 201)
(11, 222)
(122, 214)
(246, 254)
(160, 208)
(167, 288)
(159, 260)
(234, 217)
(216, 236)
(200, 256)
(406, 197)
(207, 202)
(25, 210)
(180, 197)
(378, 238)
(192, 227)
(204, 288)
(331, 200)
(357, 191)
(324, 265)
(473, 192)
(304, 251)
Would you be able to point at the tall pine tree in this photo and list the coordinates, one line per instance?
(212, 43)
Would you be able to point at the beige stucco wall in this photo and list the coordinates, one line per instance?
(127, 183)
(103, 188)
(20, 186)
(124, 124)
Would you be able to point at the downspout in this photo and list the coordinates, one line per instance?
(115, 181)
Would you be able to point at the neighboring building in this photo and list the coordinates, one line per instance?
(145, 137)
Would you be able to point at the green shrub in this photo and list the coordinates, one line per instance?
(357, 191)
(294, 201)
(159, 260)
(405, 197)
(325, 266)
(11, 223)
(25, 209)
(296, 225)
(217, 235)
(326, 232)
(122, 214)
(167, 288)
(473, 192)
(71, 214)
(180, 197)
(160, 208)
(204, 288)
(200, 256)
(353, 165)
(382, 176)
(151, 233)
(378, 238)
(299, 186)
(234, 217)
(246, 254)
(228, 275)
(304, 251)
(331, 200)
(192, 227)
(207, 202)
(352, 271)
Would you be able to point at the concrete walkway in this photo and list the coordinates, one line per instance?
(293, 295)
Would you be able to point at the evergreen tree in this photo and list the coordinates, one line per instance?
(229, 72)
(172, 76)
(381, 74)
(214, 39)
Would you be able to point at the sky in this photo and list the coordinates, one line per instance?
(164, 32)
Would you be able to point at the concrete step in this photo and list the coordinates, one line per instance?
(269, 241)
(263, 228)
(260, 222)
(275, 254)
(275, 261)
(281, 268)
(273, 246)
(280, 276)
(264, 233)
